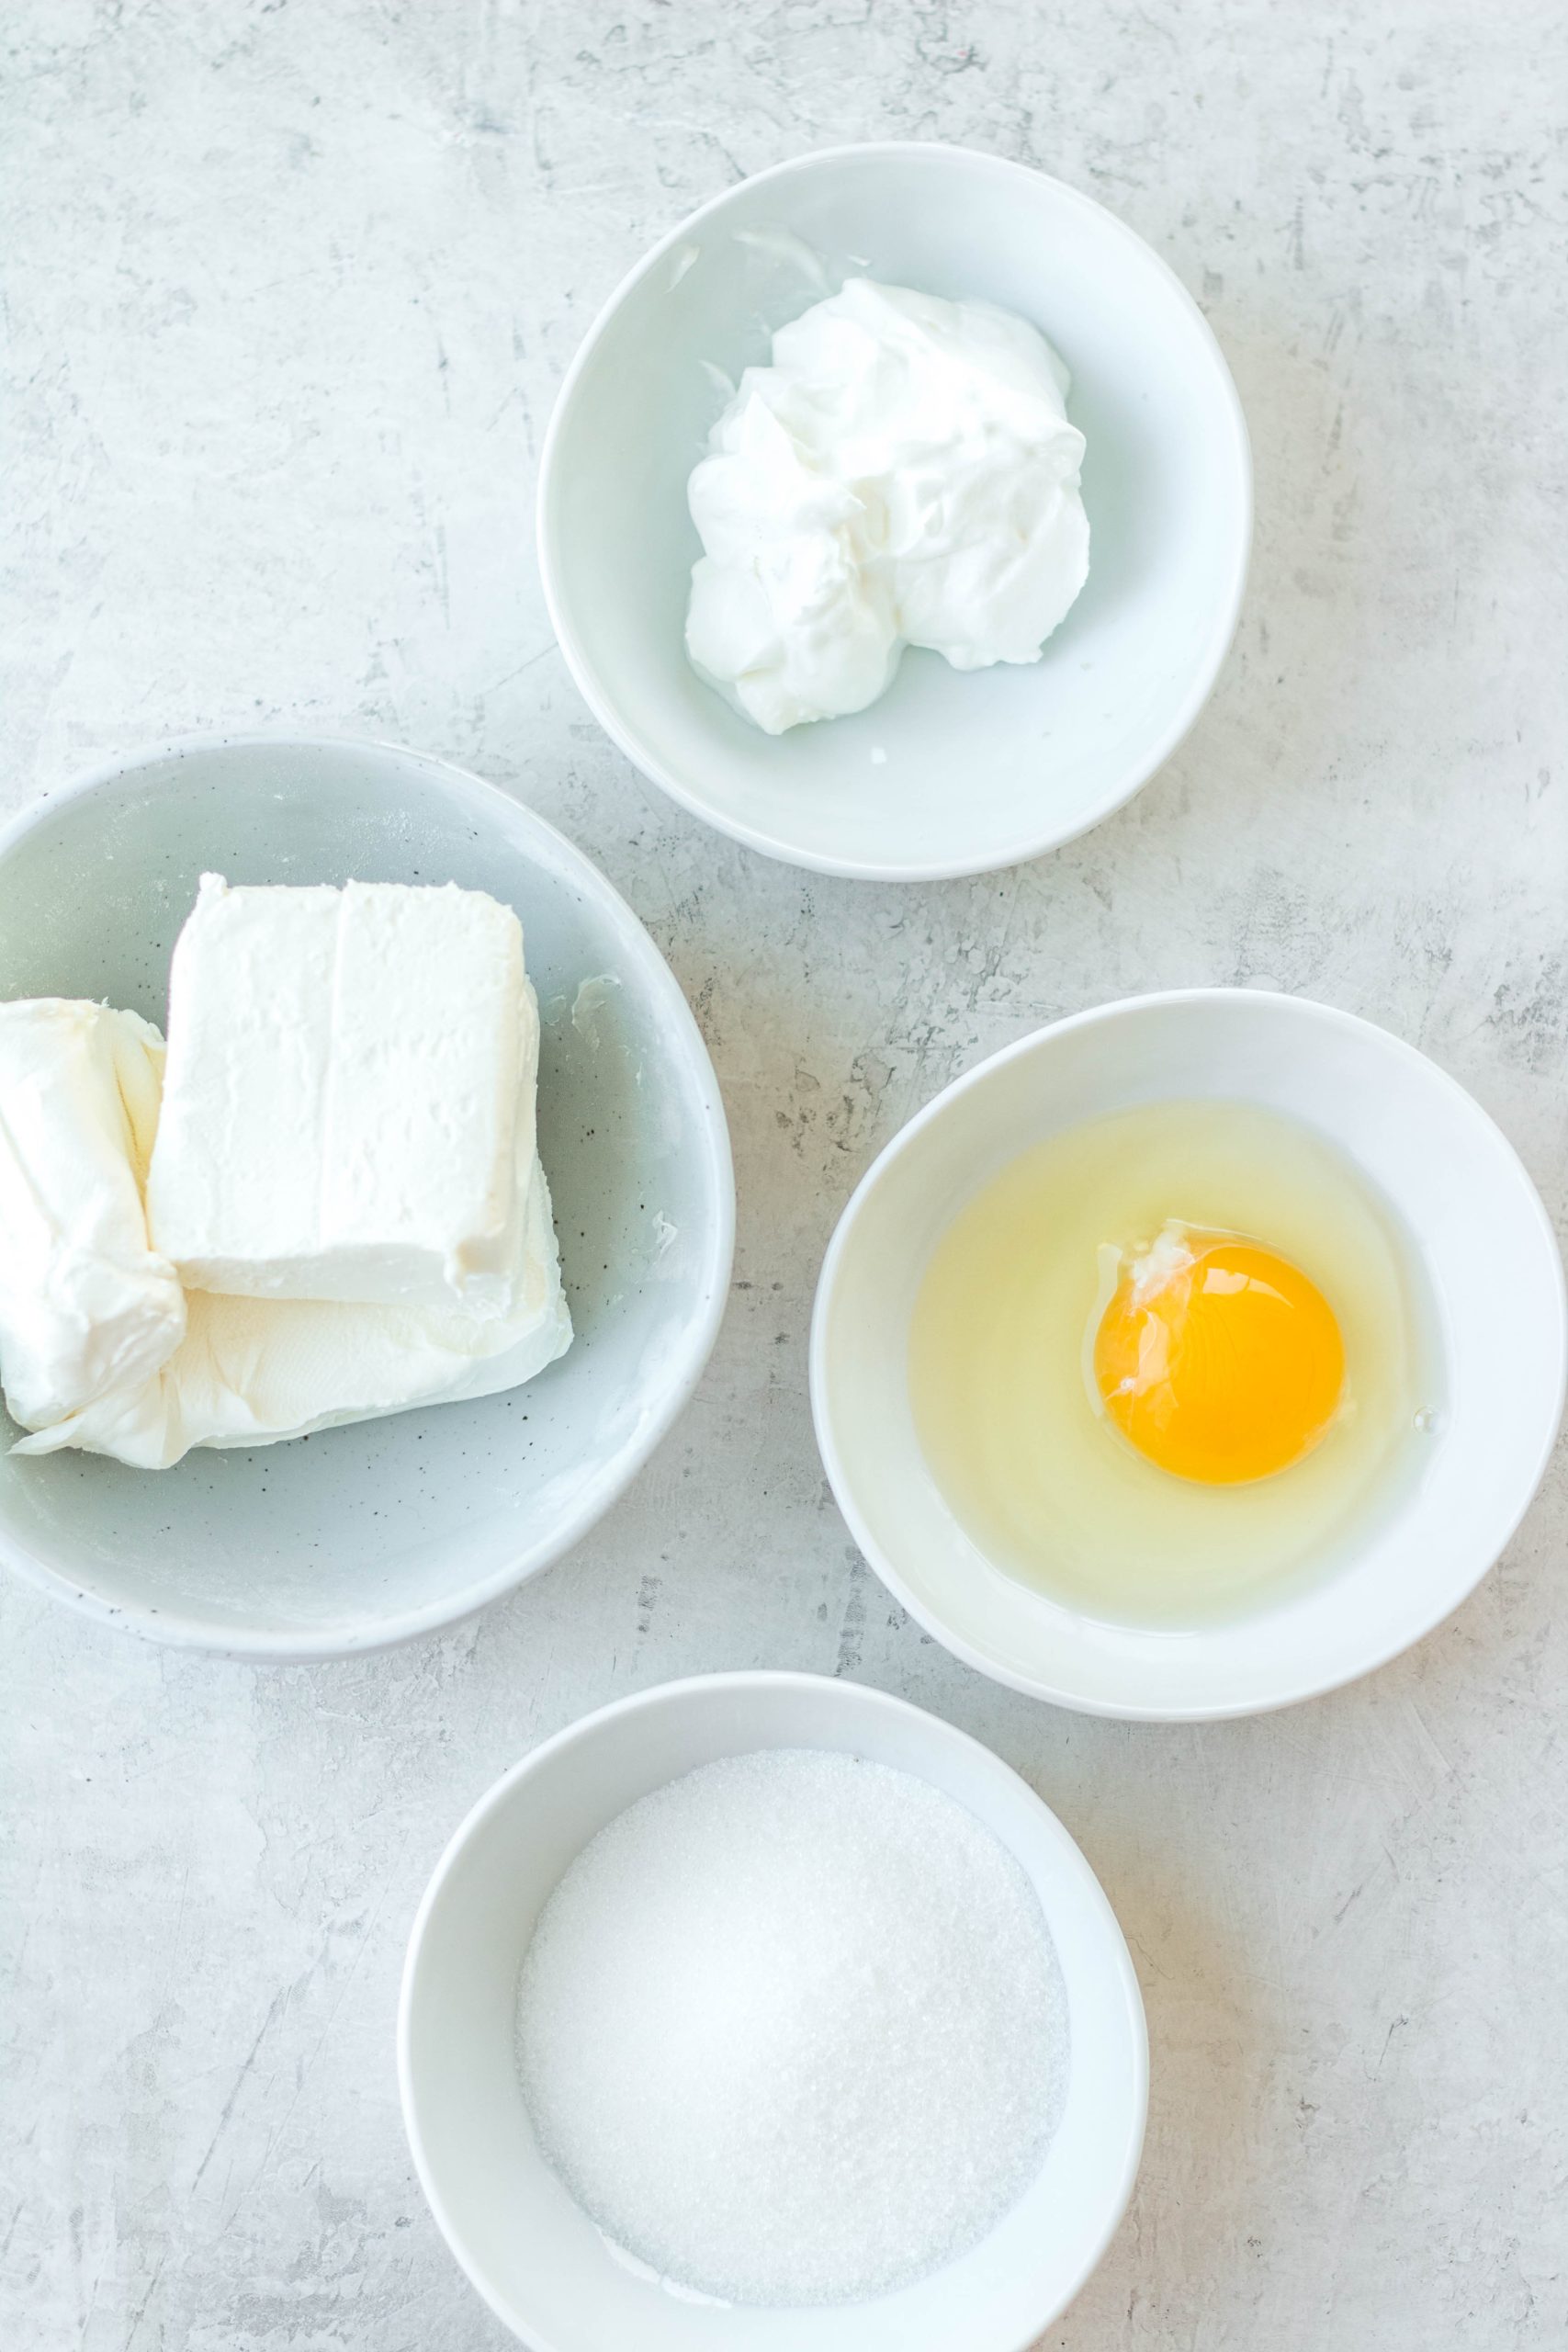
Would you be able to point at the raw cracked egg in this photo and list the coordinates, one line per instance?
(1166, 1363)
(1216, 1357)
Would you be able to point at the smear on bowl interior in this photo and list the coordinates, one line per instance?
(1168, 1363)
(903, 473)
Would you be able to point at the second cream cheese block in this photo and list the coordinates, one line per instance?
(87, 1309)
(101, 1350)
(255, 1371)
(348, 1096)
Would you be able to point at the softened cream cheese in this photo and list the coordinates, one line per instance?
(257, 1371)
(87, 1309)
(903, 473)
(347, 1070)
(101, 1348)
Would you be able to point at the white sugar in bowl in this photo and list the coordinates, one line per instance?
(534, 2255)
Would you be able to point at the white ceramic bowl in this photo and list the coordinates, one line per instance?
(978, 771)
(363, 1536)
(534, 2255)
(1471, 1214)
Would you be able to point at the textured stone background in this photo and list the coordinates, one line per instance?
(290, 289)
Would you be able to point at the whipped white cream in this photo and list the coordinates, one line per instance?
(904, 473)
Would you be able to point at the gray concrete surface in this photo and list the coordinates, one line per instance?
(290, 287)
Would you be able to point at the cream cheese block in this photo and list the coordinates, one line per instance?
(87, 1309)
(348, 1095)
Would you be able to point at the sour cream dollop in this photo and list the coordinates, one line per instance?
(904, 473)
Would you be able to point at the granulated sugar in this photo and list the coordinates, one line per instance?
(791, 2029)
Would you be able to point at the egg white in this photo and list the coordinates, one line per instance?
(1012, 1430)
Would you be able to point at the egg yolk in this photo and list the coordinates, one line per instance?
(1218, 1360)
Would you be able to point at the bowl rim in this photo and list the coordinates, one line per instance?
(1035, 841)
(177, 1630)
(869, 1699)
(1039, 1685)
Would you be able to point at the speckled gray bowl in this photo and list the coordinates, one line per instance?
(360, 1537)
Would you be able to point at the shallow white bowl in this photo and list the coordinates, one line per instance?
(364, 1536)
(979, 770)
(1468, 1209)
(534, 2255)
